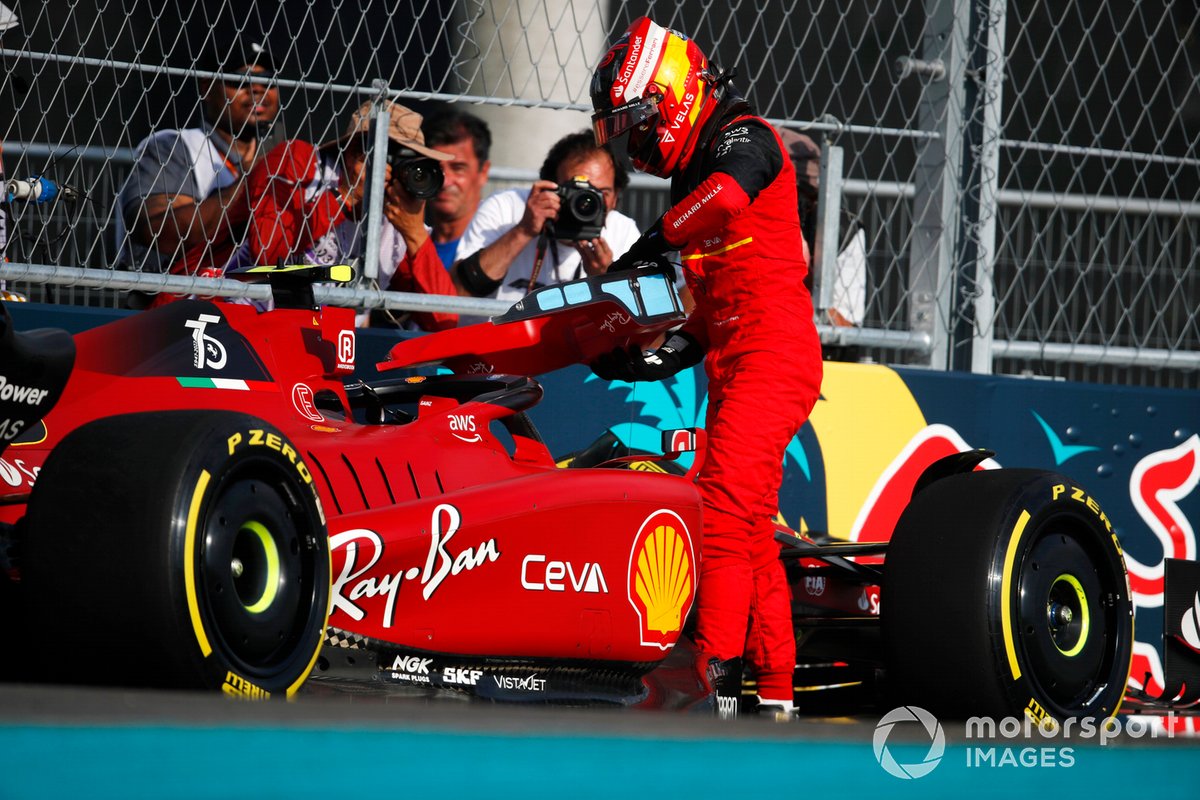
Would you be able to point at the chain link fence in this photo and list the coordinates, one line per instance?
(1026, 174)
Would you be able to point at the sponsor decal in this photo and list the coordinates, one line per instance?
(16, 474)
(323, 428)
(528, 683)
(814, 585)
(662, 578)
(11, 428)
(461, 677)
(684, 109)
(410, 669)
(302, 401)
(345, 349)
(15, 393)
(869, 600)
(462, 427)
(541, 575)
(363, 549)
(207, 352)
(480, 368)
(696, 206)
(237, 686)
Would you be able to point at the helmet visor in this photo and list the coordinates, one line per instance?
(608, 125)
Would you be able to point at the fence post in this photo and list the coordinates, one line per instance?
(938, 172)
(376, 162)
(992, 34)
(828, 238)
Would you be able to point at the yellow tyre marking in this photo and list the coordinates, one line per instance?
(189, 564)
(1010, 555)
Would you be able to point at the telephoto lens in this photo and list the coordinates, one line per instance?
(581, 215)
(420, 176)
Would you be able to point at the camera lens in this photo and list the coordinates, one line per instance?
(422, 178)
(585, 205)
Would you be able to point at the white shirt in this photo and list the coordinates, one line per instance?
(501, 212)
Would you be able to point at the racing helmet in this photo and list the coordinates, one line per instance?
(655, 84)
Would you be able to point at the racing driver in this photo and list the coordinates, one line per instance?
(734, 221)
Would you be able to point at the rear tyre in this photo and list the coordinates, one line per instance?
(1005, 594)
(182, 549)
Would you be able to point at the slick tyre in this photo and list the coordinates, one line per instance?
(1005, 593)
(180, 549)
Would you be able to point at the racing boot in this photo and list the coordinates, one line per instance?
(775, 710)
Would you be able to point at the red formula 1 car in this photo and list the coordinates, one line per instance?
(214, 503)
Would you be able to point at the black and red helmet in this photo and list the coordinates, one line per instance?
(655, 85)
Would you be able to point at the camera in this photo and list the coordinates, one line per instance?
(581, 215)
(421, 176)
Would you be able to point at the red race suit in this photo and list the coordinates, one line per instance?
(734, 220)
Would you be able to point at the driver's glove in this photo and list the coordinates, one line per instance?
(649, 246)
(679, 352)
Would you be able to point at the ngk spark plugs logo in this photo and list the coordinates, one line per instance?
(662, 578)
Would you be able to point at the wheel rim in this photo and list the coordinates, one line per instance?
(257, 573)
(1067, 612)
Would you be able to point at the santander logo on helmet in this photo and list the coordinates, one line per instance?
(653, 83)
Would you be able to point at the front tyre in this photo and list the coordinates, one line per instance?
(1005, 594)
(182, 549)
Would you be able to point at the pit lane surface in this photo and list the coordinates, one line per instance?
(94, 743)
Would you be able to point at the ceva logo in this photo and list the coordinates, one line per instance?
(937, 742)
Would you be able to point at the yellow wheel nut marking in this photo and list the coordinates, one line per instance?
(271, 553)
(1086, 623)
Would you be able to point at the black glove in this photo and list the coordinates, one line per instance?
(649, 246)
(678, 353)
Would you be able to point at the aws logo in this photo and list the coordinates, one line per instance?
(462, 427)
(662, 578)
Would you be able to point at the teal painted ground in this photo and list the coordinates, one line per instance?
(403, 764)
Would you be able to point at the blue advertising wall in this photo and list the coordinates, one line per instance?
(850, 470)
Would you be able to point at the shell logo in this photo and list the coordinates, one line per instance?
(662, 578)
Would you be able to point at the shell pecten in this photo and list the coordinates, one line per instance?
(664, 578)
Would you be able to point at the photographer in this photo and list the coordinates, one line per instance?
(308, 203)
(557, 230)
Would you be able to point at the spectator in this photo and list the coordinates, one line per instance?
(849, 275)
(184, 206)
(468, 139)
(500, 246)
(309, 202)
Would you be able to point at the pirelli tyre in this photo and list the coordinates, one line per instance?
(181, 549)
(1005, 594)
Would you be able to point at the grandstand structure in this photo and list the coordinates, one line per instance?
(1027, 173)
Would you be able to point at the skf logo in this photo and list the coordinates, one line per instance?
(302, 400)
(206, 350)
(662, 578)
(461, 677)
(345, 350)
(462, 427)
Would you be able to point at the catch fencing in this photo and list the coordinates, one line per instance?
(1026, 174)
